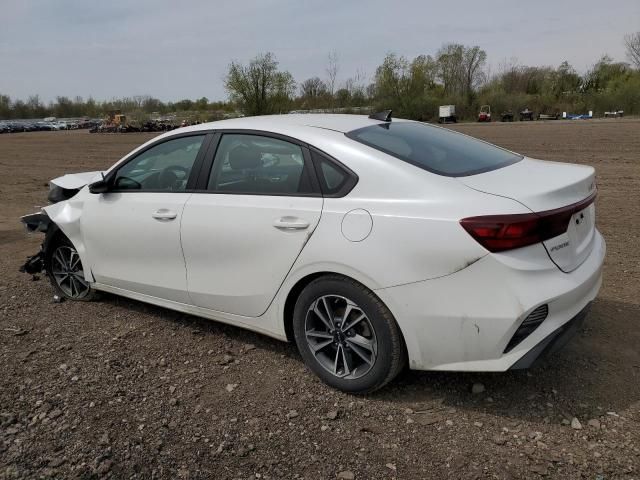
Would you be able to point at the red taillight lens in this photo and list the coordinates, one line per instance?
(497, 233)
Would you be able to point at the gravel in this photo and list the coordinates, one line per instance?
(158, 394)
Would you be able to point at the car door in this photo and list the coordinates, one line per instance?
(244, 231)
(132, 232)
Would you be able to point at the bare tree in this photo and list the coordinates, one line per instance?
(332, 70)
(140, 100)
(632, 42)
(356, 87)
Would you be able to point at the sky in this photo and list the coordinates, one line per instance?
(179, 49)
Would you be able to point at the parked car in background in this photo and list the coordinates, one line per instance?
(48, 126)
(372, 243)
(15, 127)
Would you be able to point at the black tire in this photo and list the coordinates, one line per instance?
(71, 288)
(390, 355)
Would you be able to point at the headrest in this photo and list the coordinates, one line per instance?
(243, 157)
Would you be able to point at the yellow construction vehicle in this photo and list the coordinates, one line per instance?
(116, 118)
(114, 122)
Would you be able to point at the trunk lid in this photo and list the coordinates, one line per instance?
(542, 186)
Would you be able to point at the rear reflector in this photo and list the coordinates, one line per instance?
(497, 233)
(526, 328)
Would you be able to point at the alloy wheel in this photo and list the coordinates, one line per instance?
(67, 271)
(341, 337)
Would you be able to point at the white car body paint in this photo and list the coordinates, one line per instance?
(357, 225)
(238, 249)
(136, 252)
(225, 258)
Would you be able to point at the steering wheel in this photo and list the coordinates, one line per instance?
(169, 176)
(270, 160)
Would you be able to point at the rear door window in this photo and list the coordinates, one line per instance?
(259, 165)
(435, 149)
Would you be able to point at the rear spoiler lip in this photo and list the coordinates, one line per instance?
(511, 217)
(573, 208)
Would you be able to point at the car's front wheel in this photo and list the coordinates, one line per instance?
(64, 269)
(347, 336)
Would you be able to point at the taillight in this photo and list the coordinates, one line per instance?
(497, 233)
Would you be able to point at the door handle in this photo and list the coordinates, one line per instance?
(164, 214)
(291, 223)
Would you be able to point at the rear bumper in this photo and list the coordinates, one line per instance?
(554, 342)
(464, 321)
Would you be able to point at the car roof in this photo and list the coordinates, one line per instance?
(279, 123)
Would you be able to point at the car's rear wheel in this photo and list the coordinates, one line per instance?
(65, 271)
(347, 336)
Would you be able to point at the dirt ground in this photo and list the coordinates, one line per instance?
(120, 389)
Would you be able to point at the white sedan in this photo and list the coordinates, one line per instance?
(370, 242)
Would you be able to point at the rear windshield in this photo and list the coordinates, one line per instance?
(437, 150)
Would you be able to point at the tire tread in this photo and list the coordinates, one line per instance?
(398, 351)
(61, 239)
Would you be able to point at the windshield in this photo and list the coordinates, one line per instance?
(437, 150)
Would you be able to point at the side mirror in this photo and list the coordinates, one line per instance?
(101, 186)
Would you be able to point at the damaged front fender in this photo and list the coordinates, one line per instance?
(62, 217)
(66, 216)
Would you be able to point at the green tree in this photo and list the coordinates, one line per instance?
(402, 85)
(63, 107)
(565, 80)
(474, 60)
(343, 98)
(450, 69)
(202, 104)
(260, 88)
(5, 107)
(314, 93)
(461, 69)
(313, 88)
(602, 73)
(184, 105)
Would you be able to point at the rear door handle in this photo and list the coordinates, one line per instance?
(291, 223)
(164, 214)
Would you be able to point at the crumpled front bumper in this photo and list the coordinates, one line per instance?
(36, 222)
(34, 264)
